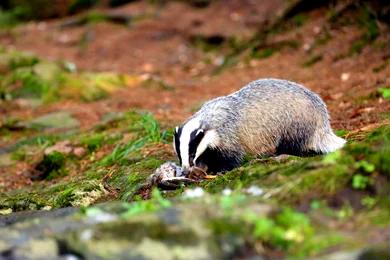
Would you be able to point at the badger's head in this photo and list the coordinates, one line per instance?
(193, 143)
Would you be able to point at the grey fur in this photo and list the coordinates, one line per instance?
(267, 114)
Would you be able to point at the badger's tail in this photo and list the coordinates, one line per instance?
(326, 142)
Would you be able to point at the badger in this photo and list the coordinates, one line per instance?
(266, 117)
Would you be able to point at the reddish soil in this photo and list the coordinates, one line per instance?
(159, 45)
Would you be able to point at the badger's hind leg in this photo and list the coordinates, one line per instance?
(325, 141)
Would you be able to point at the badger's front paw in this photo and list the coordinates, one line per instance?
(198, 173)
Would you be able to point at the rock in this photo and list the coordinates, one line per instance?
(380, 252)
(79, 151)
(55, 120)
(107, 231)
(345, 76)
(63, 147)
(6, 159)
(47, 71)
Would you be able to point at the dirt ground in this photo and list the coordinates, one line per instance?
(159, 44)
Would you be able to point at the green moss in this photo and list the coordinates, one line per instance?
(65, 198)
(51, 166)
(290, 182)
(18, 201)
(129, 178)
(76, 193)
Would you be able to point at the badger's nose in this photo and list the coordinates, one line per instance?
(186, 171)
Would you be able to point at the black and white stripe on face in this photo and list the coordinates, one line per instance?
(192, 140)
(195, 138)
(176, 141)
(191, 144)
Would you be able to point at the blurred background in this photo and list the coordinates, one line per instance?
(182, 45)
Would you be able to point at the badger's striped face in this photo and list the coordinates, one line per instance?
(191, 140)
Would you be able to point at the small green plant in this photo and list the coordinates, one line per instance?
(262, 54)
(299, 20)
(93, 142)
(385, 91)
(312, 60)
(369, 201)
(285, 230)
(341, 132)
(12, 17)
(360, 182)
(31, 84)
(19, 155)
(19, 60)
(208, 44)
(148, 130)
(51, 166)
(367, 20)
(150, 127)
(365, 166)
(121, 151)
(157, 202)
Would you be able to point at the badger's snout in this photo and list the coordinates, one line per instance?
(197, 167)
(195, 172)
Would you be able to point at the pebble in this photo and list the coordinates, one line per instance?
(345, 76)
(254, 191)
(193, 193)
(226, 192)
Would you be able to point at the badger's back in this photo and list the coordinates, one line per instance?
(273, 116)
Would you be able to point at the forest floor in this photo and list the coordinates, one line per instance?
(75, 129)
